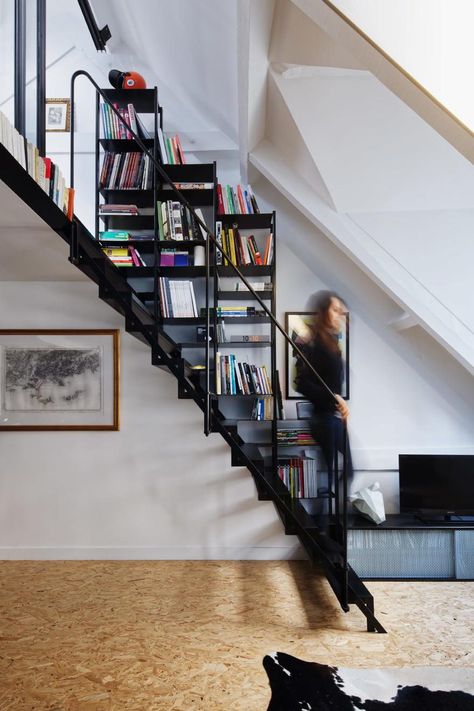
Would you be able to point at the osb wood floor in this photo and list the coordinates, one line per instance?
(181, 635)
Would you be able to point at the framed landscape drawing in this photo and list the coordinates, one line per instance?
(58, 114)
(296, 324)
(59, 380)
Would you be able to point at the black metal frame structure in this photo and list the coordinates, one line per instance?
(324, 537)
(20, 66)
(41, 76)
(99, 37)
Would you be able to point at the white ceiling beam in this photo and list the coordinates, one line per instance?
(403, 322)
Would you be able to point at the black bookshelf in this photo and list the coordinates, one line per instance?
(259, 225)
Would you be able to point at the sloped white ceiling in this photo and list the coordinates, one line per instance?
(297, 40)
(191, 50)
(284, 133)
(372, 151)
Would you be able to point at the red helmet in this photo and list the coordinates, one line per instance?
(126, 80)
(133, 80)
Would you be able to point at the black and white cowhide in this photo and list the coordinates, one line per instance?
(306, 686)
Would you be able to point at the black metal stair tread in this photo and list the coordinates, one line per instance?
(165, 244)
(128, 191)
(251, 451)
(145, 271)
(183, 320)
(259, 220)
(235, 420)
(246, 270)
(244, 344)
(244, 319)
(243, 295)
(253, 395)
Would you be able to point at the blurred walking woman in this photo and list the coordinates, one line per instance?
(322, 350)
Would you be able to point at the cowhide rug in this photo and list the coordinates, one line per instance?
(306, 686)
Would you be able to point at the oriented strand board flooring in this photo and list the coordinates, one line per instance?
(177, 635)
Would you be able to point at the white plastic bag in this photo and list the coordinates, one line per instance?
(369, 503)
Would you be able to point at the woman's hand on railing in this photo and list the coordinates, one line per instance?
(342, 407)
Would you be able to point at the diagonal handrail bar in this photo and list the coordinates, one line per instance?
(159, 168)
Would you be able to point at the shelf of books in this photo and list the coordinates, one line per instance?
(158, 242)
(32, 177)
(300, 464)
(245, 335)
(147, 232)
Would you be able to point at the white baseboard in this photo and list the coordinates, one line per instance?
(294, 552)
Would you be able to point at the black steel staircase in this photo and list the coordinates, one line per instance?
(323, 536)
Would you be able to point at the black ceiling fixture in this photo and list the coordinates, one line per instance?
(99, 37)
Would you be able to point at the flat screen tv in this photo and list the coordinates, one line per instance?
(437, 485)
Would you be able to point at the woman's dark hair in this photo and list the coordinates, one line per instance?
(318, 305)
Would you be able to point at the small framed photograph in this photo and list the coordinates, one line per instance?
(59, 380)
(201, 333)
(58, 114)
(297, 327)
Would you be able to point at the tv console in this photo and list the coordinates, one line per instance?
(446, 520)
(405, 548)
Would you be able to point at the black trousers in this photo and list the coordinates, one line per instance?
(328, 432)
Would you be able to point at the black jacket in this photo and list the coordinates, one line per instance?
(328, 363)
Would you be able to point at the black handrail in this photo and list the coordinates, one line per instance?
(159, 168)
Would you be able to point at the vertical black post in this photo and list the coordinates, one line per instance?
(345, 451)
(71, 137)
(156, 253)
(20, 65)
(207, 411)
(41, 76)
(273, 365)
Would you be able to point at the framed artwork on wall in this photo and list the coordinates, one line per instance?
(58, 114)
(297, 327)
(59, 379)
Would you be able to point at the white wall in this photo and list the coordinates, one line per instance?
(157, 489)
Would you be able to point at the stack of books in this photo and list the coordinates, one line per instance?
(114, 128)
(262, 408)
(235, 312)
(174, 258)
(111, 209)
(126, 171)
(173, 151)
(114, 236)
(177, 299)
(295, 436)
(42, 170)
(190, 186)
(176, 222)
(124, 256)
(300, 476)
(256, 286)
(243, 250)
(236, 201)
(236, 378)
